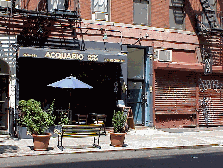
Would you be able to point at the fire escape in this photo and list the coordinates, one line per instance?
(210, 35)
(41, 28)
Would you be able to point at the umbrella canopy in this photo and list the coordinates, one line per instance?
(70, 82)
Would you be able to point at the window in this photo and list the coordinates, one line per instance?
(100, 10)
(177, 14)
(141, 12)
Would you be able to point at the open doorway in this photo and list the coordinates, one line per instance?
(4, 95)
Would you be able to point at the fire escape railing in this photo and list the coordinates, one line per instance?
(209, 26)
(41, 28)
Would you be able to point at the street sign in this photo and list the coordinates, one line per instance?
(208, 66)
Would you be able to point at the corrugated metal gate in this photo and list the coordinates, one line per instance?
(210, 100)
(175, 98)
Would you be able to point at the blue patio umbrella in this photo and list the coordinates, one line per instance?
(70, 83)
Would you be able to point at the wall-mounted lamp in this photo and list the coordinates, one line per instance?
(105, 37)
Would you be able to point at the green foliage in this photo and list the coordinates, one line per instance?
(64, 120)
(34, 118)
(118, 121)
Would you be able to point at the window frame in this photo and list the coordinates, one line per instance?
(148, 12)
(173, 7)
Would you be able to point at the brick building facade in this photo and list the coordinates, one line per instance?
(182, 30)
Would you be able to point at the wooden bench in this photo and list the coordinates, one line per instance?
(99, 119)
(79, 131)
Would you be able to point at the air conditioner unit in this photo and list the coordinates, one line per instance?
(100, 16)
(163, 55)
(5, 4)
(56, 4)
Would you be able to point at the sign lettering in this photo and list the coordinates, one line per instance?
(73, 56)
(113, 60)
(58, 55)
(209, 84)
(92, 57)
(208, 66)
(29, 55)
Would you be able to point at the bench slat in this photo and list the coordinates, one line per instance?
(82, 126)
(79, 131)
(82, 129)
(79, 135)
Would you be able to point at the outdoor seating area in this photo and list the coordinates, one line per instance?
(89, 119)
(79, 131)
(84, 119)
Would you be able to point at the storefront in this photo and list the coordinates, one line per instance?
(104, 70)
(185, 97)
(210, 100)
(175, 98)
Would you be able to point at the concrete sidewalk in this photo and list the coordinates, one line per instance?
(138, 139)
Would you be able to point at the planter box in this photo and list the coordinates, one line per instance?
(51, 130)
(22, 132)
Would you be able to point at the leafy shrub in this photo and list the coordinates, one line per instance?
(118, 121)
(34, 117)
(64, 120)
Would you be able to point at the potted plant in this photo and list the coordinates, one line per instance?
(37, 121)
(117, 137)
(64, 120)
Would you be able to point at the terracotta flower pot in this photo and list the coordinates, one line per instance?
(41, 142)
(117, 139)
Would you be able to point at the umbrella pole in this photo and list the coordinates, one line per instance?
(70, 97)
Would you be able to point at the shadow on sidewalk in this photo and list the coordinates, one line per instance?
(8, 149)
(32, 148)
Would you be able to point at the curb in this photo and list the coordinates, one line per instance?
(120, 150)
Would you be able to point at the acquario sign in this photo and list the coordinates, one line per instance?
(58, 55)
(72, 56)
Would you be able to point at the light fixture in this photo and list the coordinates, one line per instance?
(105, 37)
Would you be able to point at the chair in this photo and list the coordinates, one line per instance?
(82, 119)
(101, 119)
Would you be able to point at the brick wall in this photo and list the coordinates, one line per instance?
(85, 9)
(122, 11)
(220, 8)
(192, 7)
(219, 5)
(160, 13)
(31, 5)
(180, 56)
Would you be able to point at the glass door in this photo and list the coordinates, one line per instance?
(135, 100)
(135, 89)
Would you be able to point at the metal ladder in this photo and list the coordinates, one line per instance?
(210, 14)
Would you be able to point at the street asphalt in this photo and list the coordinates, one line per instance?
(140, 138)
(174, 158)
